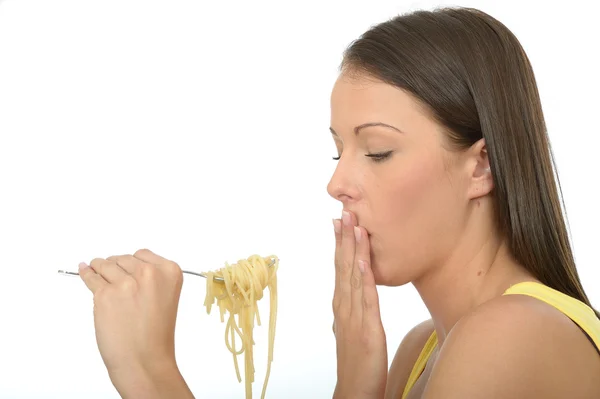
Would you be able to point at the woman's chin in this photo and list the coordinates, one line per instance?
(385, 276)
(381, 278)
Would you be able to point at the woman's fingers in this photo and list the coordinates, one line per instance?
(355, 290)
(337, 228)
(91, 279)
(109, 270)
(362, 254)
(129, 263)
(116, 269)
(347, 260)
(370, 299)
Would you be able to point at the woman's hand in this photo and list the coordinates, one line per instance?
(361, 343)
(135, 307)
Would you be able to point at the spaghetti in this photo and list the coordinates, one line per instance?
(242, 287)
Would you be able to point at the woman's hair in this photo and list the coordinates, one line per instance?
(474, 78)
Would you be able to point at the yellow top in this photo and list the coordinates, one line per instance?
(576, 310)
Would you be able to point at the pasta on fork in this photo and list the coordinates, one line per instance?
(242, 286)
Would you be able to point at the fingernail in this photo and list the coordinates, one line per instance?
(357, 233)
(361, 266)
(82, 265)
(337, 226)
(346, 218)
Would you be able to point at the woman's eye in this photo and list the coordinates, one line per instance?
(379, 156)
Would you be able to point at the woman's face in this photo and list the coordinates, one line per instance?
(404, 187)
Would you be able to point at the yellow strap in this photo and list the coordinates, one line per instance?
(420, 363)
(576, 310)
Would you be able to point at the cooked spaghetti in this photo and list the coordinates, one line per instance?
(242, 287)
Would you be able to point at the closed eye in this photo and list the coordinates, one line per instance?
(379, 156)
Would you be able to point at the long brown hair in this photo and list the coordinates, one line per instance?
(473, 75)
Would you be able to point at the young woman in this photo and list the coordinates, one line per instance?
(446, 178)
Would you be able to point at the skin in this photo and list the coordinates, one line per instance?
(428, 215)
(421, 215)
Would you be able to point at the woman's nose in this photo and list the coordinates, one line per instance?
(341, 186)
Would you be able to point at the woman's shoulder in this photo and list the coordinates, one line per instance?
(521, 317)
(519, 345)
(406, 355)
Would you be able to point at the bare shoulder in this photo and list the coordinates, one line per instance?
(515, 346)
(406, 355)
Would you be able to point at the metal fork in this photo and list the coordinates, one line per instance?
(216, 278)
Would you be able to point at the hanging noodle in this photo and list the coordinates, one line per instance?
(243, 286)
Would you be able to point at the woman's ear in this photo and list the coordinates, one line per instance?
(480, 174)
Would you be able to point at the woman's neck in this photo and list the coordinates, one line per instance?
(472, 276)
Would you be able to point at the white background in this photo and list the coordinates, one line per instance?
(199, 130)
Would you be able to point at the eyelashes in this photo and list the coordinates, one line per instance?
(377, 157)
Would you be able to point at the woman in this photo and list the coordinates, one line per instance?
(445, 175)
(457, 196)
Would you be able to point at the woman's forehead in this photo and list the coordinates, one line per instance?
(355, 101)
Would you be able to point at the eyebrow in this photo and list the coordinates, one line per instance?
(368, 124)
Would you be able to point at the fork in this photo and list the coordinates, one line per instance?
(216, 278)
